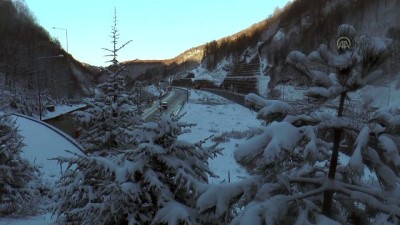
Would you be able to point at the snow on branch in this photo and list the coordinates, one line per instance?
(173, 213)
(356, 162)
(299, 61)
(217, 200)
(255, 101)
(275, 111)
(267, 147)
(340, 62)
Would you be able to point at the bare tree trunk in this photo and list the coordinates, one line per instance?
(328, 195)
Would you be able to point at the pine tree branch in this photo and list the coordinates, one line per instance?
(316, 181)
(370, 201)
(108, 50)
(122, 46)
(351, 187)
(317, 191)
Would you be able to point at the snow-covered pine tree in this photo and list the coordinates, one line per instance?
(130, 173)
(293, 162)
(110, 117)
(18, 193)
(155, 182)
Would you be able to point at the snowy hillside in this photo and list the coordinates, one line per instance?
(217, 76)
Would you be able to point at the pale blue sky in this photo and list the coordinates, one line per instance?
(159, 29)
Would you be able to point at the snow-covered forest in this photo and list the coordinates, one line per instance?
(320, 158)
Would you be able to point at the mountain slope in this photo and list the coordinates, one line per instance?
(301, 25)
(26, 51)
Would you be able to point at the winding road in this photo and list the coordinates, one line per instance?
(176, 98)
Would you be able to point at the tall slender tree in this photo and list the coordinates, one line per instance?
(109, 119)
(130, 172)
(114, 40)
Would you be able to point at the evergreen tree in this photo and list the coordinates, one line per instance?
(109, 119)
(130, 173)
(115, 36)
(18, 195)
(295, 173)
(155, 182)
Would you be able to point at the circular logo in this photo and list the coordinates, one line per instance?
(343, 43)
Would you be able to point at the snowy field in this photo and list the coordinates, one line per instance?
(224, 119)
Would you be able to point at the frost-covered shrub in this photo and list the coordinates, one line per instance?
(295, 177)
(22, 102)
(155, 182)
(18, 178)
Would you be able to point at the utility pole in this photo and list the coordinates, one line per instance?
(388, 96)
(66, 34)
(138, 89)
(38, 80)
(187, 93)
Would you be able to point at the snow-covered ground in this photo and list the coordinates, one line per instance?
(217, 116)
(43, 144)
(154, 90)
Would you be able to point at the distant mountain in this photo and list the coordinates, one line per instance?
(154, 70)
(300, 25)
(24, 50)
(258, 50)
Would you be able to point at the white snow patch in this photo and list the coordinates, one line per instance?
(217, 75)
(214, 118)
(263, 82)
(280, 35)
(153, 90)
(205, 76)
(43, 144)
